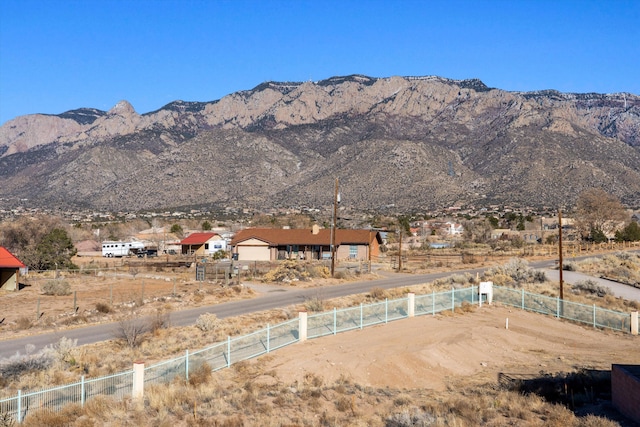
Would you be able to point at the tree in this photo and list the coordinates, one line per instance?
(493, 221)
(176, 229)
(477, 231)
(206, 226)
(631, 233)
(40, 242)
(55, 250)
(598, 212)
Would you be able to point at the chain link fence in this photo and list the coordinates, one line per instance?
(233, 350)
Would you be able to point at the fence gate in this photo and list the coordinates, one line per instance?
(200, 273)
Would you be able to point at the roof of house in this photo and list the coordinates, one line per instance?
(8, 260)
(197, 238)
(278, 236)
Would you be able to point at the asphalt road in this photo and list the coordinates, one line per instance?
(269, 300)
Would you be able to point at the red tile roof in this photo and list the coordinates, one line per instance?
(7, 260)
(278, 236)
(197, 238)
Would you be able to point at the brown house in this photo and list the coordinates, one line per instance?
(9, 270)
(270, 244)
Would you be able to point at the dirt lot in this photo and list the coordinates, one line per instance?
(105, 283)
(434, 351)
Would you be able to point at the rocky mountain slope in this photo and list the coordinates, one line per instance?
(409, 142)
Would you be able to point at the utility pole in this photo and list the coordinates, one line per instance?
(400, 250)
(333, 228)
(560, 253)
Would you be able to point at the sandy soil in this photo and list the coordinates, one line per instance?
(434, 352)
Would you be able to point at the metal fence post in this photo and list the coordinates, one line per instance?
(433, 303)
(82, 391)
(335, 320)
(228, 351)
(594, 315)
(453, 300)
(411, 304)
(268, 337)
(361, 321)
(386, 310)
(186, 364)
(19, 406)
(557, 307)
(522, 299)
(302, 326)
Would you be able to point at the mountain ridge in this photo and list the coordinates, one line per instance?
(411, 142)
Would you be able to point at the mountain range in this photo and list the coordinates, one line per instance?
(411, 143)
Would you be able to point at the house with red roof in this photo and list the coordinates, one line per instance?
(270, 244)
(9, 270)
(203, 244)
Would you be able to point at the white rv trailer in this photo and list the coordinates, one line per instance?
(119, 249)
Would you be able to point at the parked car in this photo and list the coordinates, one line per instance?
(150, 253)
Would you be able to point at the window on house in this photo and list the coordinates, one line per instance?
(353, 251)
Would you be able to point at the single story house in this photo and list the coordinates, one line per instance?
(9, 270)
(270, 244)
(202, 244)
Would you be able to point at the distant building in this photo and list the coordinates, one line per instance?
(203, 244)
(9, 270)
(270, 244)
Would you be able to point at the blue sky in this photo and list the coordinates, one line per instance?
(60, 55)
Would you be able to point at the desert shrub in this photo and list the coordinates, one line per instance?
(6, 420)
(314, 304)
(410, 418)
(293, 270)
(160, 320)
(378, 293)
(625, 256)
(19, 364)
(207, 322)
(200, 375)
(64, 350)
(56, 287)
(131, 328)
(103, 307)
(569, 266)
(320, 271)
(343, 404)
(518, 271)
(455, 281)
(23, 323)
(591, 287)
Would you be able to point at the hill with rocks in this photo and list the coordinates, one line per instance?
(405, 142)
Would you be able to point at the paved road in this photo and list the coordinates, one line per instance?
(618, 289)
(266, 301)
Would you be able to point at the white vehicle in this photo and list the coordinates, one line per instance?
(120, 249)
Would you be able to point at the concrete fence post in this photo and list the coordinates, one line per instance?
(138, 380)
(411, 302)
(302, 318)
(634, 323)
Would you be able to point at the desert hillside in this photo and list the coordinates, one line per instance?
(401, 143)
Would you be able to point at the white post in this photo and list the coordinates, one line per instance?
(486, 288)
(302, 318)
(634, 323)
(411, 309)
(138, 380)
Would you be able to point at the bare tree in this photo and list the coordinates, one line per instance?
(598, 212)
(131, 328)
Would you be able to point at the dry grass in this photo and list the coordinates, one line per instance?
(246, 395)
(243, 397)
